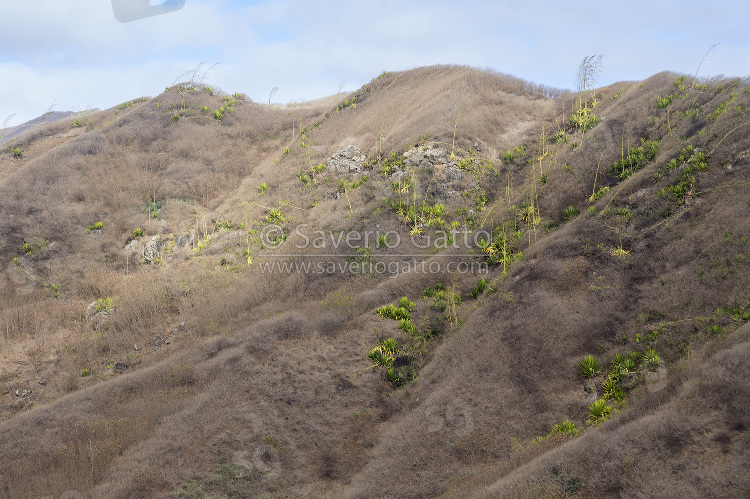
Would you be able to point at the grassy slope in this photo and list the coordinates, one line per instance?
(268, 390)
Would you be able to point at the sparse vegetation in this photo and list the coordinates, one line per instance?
(262, 357)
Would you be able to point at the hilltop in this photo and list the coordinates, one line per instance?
(449, 283)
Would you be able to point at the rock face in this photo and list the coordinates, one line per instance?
(152, 249)
(448, 178)
(349, 160)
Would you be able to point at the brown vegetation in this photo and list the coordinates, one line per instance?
(198, 372)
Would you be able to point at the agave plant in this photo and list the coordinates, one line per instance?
(394, 377)
(589, 367)
(652, 358)
(612, 390)
(567, 427)
(599, 411)
(390, 346)
(379, 357)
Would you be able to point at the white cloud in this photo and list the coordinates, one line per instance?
(75, 53)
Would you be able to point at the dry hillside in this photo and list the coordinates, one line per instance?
(544, 293)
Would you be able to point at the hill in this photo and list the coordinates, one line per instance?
(449, 283)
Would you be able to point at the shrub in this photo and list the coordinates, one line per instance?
(138, 233)
(219, 114)
(16, 152)
(589, 367)
(263, 188)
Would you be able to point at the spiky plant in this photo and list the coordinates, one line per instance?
(612, 390)
(567, 427)
(599, 411)
(652, 358)
(407, 326)
(589, 367)
(393, 376)
(390, 346)
(379, 357)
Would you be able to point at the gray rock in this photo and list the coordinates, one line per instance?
(132, 245)
(152, 249)
(349, 159)
(137, 347)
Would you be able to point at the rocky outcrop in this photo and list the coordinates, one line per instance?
(152, 249)
(347, 160)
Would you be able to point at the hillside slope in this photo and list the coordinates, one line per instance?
(194, 293)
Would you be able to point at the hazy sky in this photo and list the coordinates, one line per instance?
(74, 54)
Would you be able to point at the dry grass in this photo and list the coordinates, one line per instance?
(266, 387)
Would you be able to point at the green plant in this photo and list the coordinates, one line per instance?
(286, 151)
(85, 372)
(95, 226)
(599, 411)
(379, 357)
(390, 346)
(407, 326)
(652, 358)
(404, 302)
(104, 305)
(570, 212)
(611, 388)
(275, 216)
(138, 232)
(566, 427)
(595, 196)
(636, 158)
(263, 188)
(589, 367)
(478, 289)
(16, 152)
(219, 114)
(393, 312)
(175, 116)
(395, 377)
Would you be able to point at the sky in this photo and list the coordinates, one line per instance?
(73, 55)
